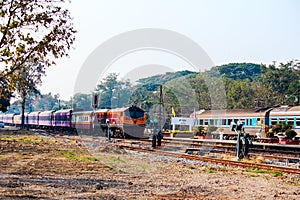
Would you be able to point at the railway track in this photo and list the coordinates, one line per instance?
(224, 162)
(143, 145)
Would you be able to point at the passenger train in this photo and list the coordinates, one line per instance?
(121, 122)
(254, 120)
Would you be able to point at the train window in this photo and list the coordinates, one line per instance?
(201, 122)
(243, 121)
(273, 121)
(282, 120)
(205, 122)
(291, 120)
(298, 121)
(217, 122)
(223, 122)
(250, 122)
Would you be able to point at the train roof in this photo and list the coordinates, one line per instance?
(286, 111)
(119, 109)
(34, 113)
(254, 112)
(295, 108)
(47, 112)
(101, 110)
(82, 112)
(230, 113)
(63, 111)
(9, 114)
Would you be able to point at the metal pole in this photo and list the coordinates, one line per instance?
(238, 146)
(160, 106)
(159, 134)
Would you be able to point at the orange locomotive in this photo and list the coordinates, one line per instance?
(123, 122)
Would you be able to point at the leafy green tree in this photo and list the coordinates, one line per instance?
(27, 79)
(236, 71)
(82, 101)
(240, 94)
(283, 82)
(113, 92)
(32, 31)
(5, 96)
(162, 79)
(46, 102)
(4, 103)
(143, 96)
(201, 89)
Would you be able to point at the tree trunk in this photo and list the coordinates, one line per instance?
(23, 111)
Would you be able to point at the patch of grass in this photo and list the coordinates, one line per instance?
(192, 167)
(278, 173)
(114, 159)
(30, 139)
(3, 158)
(224, 170)
(8, 139)
(253, 175)
(145, 166)
(112, 167)
(256, 169)
(160, 167)
(69, 155)
(212, 171)
(89, 159)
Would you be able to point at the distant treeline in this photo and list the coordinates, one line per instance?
(238, 85)
(246, 85)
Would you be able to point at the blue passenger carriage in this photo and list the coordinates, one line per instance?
(288, 115)
(253, 119)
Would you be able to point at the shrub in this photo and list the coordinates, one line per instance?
(290, 134)
(199, 130)
(211, 129)
(277, 128)
(270, 134)
(281, 127)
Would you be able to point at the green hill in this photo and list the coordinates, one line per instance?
(241, 71)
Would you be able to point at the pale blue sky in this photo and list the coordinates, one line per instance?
(259, 31)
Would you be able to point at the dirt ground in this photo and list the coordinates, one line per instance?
(34, 167)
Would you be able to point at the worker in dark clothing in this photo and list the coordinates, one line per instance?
(159, 137)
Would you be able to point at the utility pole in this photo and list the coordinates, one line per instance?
(160, 106)
(157, 125)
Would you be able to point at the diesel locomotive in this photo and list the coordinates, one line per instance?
(119, 122)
